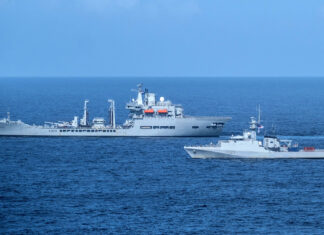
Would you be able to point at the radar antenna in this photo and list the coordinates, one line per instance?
(253, 124)
(139, 87)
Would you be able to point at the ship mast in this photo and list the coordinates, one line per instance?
(85, 119)
(112, 113)
(139, 95)
(253, 127)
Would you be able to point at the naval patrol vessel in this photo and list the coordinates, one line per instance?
(147, 117)
(248, 146)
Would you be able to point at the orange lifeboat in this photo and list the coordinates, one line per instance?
(163, 111)
(149, 111)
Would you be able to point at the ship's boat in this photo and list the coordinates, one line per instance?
(149, 111)
(163, 111)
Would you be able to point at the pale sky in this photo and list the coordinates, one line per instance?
(161, 38)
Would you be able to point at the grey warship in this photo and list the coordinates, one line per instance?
(247, 146)
(148, 117)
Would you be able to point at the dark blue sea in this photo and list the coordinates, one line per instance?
(150, 185)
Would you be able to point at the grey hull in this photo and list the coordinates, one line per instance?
(210, 152)
(181, 127)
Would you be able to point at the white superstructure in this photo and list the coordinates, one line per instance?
(248, 146)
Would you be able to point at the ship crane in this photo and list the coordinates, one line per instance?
(112, 113)
(85, 119)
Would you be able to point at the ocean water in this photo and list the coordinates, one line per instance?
(150, 185)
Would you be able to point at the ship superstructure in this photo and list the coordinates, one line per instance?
(148, 116)
(248, 145)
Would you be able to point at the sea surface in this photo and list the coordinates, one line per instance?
(150, 185)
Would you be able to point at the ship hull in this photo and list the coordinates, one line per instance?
(168, 127)
(212, 152)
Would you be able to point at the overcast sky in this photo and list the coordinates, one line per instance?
(161, 38)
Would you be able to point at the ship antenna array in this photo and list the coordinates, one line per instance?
(139, 86)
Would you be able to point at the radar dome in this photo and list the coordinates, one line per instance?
(162, 99)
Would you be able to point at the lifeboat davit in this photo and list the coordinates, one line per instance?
(163, 111)
(149, 111)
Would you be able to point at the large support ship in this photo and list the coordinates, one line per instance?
(147, 117)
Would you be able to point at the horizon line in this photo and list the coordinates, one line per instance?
(168, 76)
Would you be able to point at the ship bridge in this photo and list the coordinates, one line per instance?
(145, 105)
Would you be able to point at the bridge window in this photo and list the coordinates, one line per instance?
(164, 127)
(195, 127)
(172, 127)
(156, 127)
